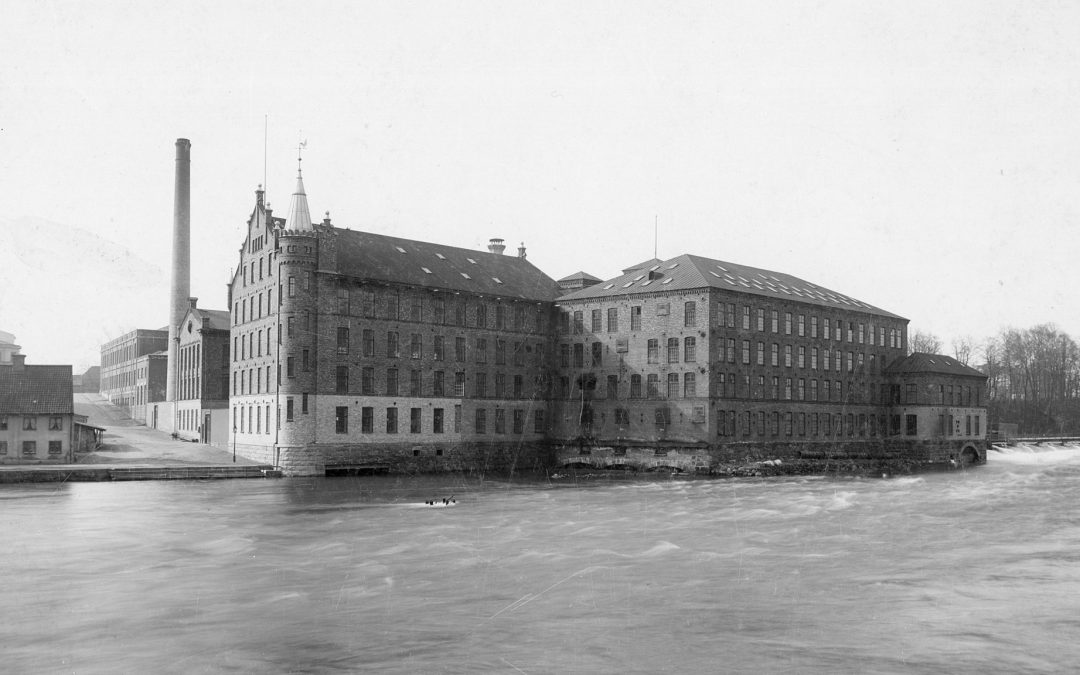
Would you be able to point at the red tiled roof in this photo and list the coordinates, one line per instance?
(36, 390)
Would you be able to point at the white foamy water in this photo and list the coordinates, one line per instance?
(967, 572)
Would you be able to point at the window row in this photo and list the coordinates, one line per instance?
(799, 356)
(438, 384)
(30, 422)
(825, 328)
(601, 320)
(29, 448)
(389, 420)
(775, 423)
(412, 346)
(762, 387)
(672, 386)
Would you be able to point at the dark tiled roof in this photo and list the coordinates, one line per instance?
(642, 265)
(920, 362)
(579, 275)
(687, 272)
(37, 390)
(417, 263)
(219, 319)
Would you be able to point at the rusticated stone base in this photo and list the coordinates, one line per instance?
(318, 460)
(862, 457)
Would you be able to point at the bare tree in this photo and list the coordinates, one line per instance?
(963, 349)
(927, 343)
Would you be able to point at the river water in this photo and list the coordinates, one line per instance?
(966, 572)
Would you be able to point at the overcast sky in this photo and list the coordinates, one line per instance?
(921, 157)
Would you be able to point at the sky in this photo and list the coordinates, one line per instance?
(918, 156)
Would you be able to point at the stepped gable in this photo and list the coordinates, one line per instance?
(36, 390)
(416, 263)
(921, 362)
(687, 272)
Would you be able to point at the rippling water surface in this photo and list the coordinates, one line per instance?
(966, 572)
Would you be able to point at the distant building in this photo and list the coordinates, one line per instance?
(36, 413)
(120, 370)
(150, 379)
(8, 348)
(577, 281)
(202, 397)
(89, 381)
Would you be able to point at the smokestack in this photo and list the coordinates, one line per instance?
(180, 288)
(496, 245)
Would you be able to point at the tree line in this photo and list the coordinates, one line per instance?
(1033, 376)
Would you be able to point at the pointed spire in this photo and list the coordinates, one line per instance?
(299, 217)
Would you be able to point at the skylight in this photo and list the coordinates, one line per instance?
(609, 287)
(666, 281)
(466, 275)
(426, 270)
(496, 279)
(671, 267)
(471, 260)
(628, 284)
(400, 250)
(440, 256)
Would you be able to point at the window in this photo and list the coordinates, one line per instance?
(438, 348)
(635, 386)
(481, 350)
(775, 355)
(690, 349)
(341, 380)
(303, 406)
(745, 351)
(690, 314)
(341, 419)
(438, 383)
(437, 421)
(367, 342)
(459, 383)
(579, 355)
(500, 352)
(414, 420)
(29, 448)
(367, 381)
(775, 321)
(391, 382)
(290, 370)
(481, 421)
(480, 385)
(292, 287)
(653, 350)
(746, 317)
(579, 322)
(652, 385)
(689, 385)
(367, 420)
(613, 319)
(392, 306)
(392, 351)
(787, 323)
(761, 319)
(3, 423)
(673, 385)
(414, 382)
(673, 350)
(3, 447)
(343, 340)
(439, 310)
(802, 357)
(55, 447)
(288, 409)
(459, 349)
(416, 348)
(391, 420)
(305, 362)
(635, 318)
(598, 353)
(56, 423)
(597, 318)
(787, 356)
(29, 423)
(538, 421)
(911, 424)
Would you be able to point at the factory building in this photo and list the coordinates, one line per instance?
(359, 351)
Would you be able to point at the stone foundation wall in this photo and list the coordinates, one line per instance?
(315, 460)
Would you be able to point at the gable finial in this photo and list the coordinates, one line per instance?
(299, 158)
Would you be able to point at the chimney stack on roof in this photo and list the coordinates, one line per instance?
(521, 250)
(496, 245)
(18, 362)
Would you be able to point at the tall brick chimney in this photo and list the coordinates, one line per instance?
(496, 245)
(180, 287)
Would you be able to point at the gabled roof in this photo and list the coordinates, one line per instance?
(642, 265)
(579, 276)
(920, 362)
(219, 318)
(687, 272)
(416, 263)
(36, 390)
